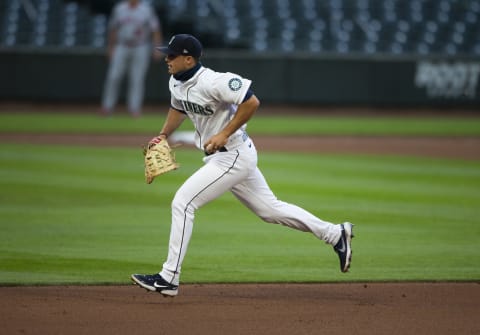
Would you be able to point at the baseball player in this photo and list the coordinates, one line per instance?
(133, 25)
(219, 105)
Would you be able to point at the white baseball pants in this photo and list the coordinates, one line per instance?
(135, 60)
(234, 171)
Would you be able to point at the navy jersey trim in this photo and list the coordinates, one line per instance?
(248, 95)
(178, 110)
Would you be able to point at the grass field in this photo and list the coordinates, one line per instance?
(71, 214)
(263, 124)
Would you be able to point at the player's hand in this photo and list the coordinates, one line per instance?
(157, 56)
(215, 143)
(156, 140)
(110, 50)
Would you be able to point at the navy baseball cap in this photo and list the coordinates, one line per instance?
(183, 44)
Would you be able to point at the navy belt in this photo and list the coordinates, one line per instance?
(222, 149)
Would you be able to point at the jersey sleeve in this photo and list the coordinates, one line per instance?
(174, 103)
(230, 88)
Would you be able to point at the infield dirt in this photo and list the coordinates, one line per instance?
(360, 308)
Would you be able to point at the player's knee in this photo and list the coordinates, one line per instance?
(269, 219)
(268, 213)
(178, 205)
(181, 204)
(268, 216)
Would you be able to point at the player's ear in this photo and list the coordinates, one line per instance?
(191, 60)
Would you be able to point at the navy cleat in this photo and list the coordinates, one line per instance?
(343, 247)
(155, 283)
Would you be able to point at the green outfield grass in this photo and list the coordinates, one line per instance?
(85, 215)
(262, 124)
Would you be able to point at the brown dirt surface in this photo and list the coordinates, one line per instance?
(347, 308)
(440, 147)
(355, 308)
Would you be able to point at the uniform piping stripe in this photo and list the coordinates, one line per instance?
(188, 92)
(188, 204)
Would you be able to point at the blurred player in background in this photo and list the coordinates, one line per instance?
(133, 28)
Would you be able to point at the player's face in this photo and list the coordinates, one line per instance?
(179, 63)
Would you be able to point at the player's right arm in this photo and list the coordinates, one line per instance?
(112, 31)
(112, 41)
(244, 112)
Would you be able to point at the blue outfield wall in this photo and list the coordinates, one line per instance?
(77, 75)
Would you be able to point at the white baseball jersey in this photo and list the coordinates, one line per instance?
(210, 100)
(133, 24)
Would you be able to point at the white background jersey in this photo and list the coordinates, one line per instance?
(210, 100)
(134, 25)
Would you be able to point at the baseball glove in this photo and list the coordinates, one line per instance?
(159, 159)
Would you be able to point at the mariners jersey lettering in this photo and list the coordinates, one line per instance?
(196, 109)
(210, 102)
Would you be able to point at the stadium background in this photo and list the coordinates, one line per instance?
(409, 53)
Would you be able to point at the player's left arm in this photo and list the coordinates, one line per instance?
(244, 113)
(157, 34)
(111, 41)
(157, 37)
(156, 41)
